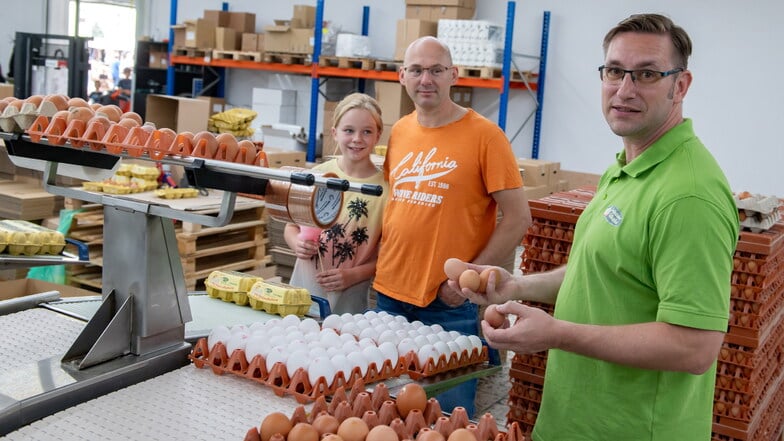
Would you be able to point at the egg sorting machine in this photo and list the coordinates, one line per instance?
(137, 333)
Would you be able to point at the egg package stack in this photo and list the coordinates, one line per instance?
(301, 358)
(376, 416)
(19, 237)
(756, 212)
(262, 295)
(236, 121)
(749, 395)
(129, 178)
(547, 244)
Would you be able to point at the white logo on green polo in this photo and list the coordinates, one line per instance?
(613, 215)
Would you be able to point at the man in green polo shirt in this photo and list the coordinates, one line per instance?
(642, 306)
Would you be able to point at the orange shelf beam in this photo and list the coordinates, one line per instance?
(330, 71)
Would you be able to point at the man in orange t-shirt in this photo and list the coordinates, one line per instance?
(449, 170)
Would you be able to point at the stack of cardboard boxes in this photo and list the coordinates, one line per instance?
(422, 19)
(216, 29)
(293, 36)
(542, 178)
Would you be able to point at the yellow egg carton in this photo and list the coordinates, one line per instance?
(92, 186)
(124, 170)
(279, 298)
(141, 184)
(142, 172)
(26, 238)
(230, 286)
(112, 188)
(176, 193)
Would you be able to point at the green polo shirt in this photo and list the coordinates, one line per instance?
(655, 244)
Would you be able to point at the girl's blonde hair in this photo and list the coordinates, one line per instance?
(358, 101)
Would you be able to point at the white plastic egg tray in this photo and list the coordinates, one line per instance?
(299, 357)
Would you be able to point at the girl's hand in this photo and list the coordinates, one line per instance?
(333, 280)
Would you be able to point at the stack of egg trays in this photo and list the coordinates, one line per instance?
(526, 376)
(298, 384)
(749, 394)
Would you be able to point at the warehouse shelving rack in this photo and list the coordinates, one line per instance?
(503, 84)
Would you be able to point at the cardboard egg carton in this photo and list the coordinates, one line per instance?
(377, 407)
(15, 120)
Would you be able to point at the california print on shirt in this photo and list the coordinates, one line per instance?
(424, 172)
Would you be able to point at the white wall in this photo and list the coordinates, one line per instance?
(735, 98)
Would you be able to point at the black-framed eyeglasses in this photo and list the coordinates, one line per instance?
(434, 71)
(614, 75)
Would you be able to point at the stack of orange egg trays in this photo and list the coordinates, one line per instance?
(749, 396)
(116, 134)
(298, 384)
(546, 245)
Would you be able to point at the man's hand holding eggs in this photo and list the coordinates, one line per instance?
(458, 270)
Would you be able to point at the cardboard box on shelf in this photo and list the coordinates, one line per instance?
(408, 30)
(22, 287)
(301, 41)
(225, 39)
(277, 37)
(304, 17)
(252, 42)
(278, 157)
(6, 90)
(179, 34)
(242, 22)
(539, 172)
(178, 113)
(200, 33)
(393, 100)
(217, 16)
(460, 3)
(461, 95)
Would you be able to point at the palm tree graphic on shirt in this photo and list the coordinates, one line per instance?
(342, 238)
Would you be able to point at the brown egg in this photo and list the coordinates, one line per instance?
(35, 100)
(8, 99)
(326, 423)
(302, 432)
(111, 112)
(453, 268)
(247, 152)
(469, 279)
(382, 433)
(102, 120)
(133, 115)
(128, 123)
(411, 396)
(461, 434)
(331, 437)
(96, 106)
(427, 434)
(59, 102)
(273, 423)
(204, 144)
(80, 113)
(4, 104)
(493, 317)
(16, 103)
(484, 276)
(353, 429)
(77, 102)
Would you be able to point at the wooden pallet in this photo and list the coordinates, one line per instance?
(218, 54)
(484, 72)
(286, 58)
(348, 62)
(191, 52)
(388, 65)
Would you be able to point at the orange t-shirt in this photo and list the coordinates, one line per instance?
(440, 203)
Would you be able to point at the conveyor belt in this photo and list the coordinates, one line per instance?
(35, 334)
(188, 403)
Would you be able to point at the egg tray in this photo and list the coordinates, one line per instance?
(378, 407)
(416, 369)
(758, 203)
(298, 385)
(746, 370)
(765, 242)
(766, 425)
(135, 142)
(523, 391)
(731, 415)
(524, 415)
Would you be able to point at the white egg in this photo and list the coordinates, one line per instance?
(381, 328)
(288, 330)
(387, 336)
(274, 330)
(297, 360)
(389, 350)
(357, 359)
(370, 314)
(334, 350)
(350, 346)
(416, 324)
(332, 321)
(424, 330)
(278, 354)
(401, 319)
(421, 341)
(349, 328)
(311, 336)
(432, 338)
(329, 337)
(374, 355)
(362, 324)
(278, 340)
(454, 334)
(401, 334)
(393, 325)
(370, 333)
(436, 328)
(297, 344)
(239, 328)
(377, 321)
(455, 348)
(427, 352)
(407, 345)
(443, 349)
(290, 320)
(384, 314)
(464, 343)
(365, 342)
(256, 345)
(347, 317)
(413, 333)
(309, 325)
(347, 337)
(255, 326)
(321, 367)
(317, 352)
(296, 335)
(476, 343)
(218, 334)
(272, 323)
(359, 316)
(444, 336)
(342, 364)
(237, 341)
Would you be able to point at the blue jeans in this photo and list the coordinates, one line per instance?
(462, 319)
